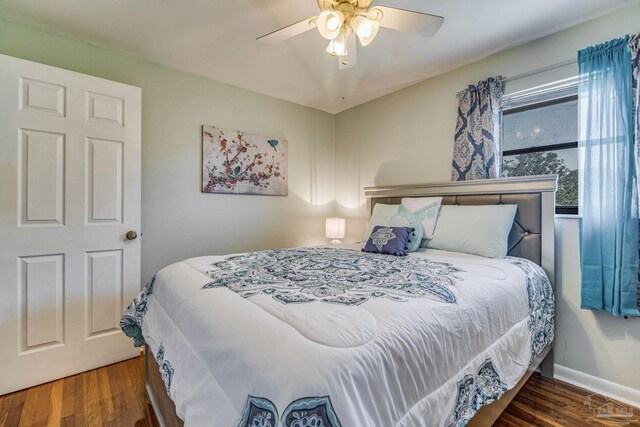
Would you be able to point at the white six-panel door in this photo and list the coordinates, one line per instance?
(69, 193)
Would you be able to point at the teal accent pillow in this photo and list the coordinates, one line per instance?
(479, 230)
(381, 215)
(405, 218)
(397, 216)
(426, 208)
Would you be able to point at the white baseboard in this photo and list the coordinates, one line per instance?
(607, 388)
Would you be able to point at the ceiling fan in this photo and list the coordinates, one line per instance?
(341, 21)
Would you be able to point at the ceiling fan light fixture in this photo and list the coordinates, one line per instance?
(329, 23)
(365, 28)
(343, 21)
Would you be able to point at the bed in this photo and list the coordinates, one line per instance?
(285, 338)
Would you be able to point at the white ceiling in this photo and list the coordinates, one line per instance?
(216, 39)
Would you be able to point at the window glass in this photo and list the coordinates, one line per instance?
(533, 126)
(541, 139)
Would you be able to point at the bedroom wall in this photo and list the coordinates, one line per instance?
(177, 220)
(407, 137)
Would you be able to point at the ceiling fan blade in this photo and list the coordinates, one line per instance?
(346, 62)
(289, 31)
(410, 21)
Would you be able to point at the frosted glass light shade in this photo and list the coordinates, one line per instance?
(329, 23)
(334, 228)
(365, 29)
(338, 46)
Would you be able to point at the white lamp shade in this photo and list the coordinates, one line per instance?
(365, 29)
(329, 23)
(334, 228)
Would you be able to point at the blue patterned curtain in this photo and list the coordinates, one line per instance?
(609, 227)
(476, 152)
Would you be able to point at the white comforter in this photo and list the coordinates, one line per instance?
(237, 347)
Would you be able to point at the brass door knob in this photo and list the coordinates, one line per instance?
(131, 235)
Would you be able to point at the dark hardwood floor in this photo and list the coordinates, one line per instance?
(108, 396)
(114, 396)
(546, 402)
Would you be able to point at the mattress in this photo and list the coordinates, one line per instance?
(333, 337)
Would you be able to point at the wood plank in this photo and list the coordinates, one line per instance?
(135, 368)
(29, 408)
(552, 414)
(79, 400)
(106, 398)
(69, 421)
(68, 397)
(119, 404)
(4, 410)
(54, 418)
(42, 405)
(134, 402)
(15, 403)
(508, 420)
(92, 410)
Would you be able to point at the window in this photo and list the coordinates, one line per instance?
(541, 139)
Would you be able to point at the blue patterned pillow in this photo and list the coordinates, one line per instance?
(389, 240)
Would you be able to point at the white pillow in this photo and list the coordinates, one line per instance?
(479, 230)
(425, 208)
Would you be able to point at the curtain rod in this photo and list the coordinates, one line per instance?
(541, 70)
(536, 71)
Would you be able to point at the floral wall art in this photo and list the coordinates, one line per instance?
(241, 163)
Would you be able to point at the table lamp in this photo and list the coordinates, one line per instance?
(334, 229)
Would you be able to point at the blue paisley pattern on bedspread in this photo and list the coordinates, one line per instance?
(476, 391)
(330, 275)
(166, 370)
(542, 307)
(304, 412)
(131, 321)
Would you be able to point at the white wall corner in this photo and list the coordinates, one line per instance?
(607, 388)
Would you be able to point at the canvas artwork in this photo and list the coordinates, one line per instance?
(241, 163)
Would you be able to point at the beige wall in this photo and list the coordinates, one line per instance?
(177, 220)
(407, 137)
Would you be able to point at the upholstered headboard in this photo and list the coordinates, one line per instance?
(532, 234)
